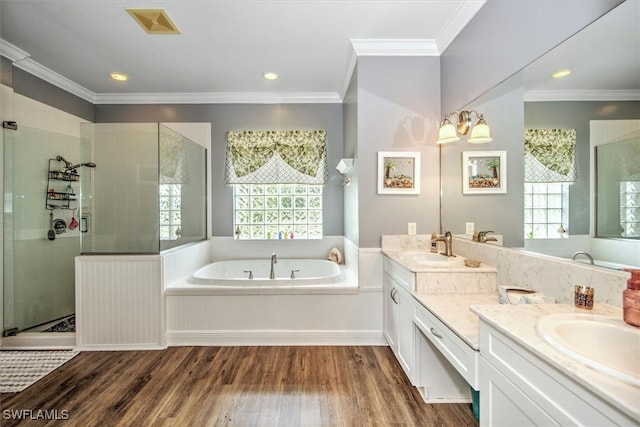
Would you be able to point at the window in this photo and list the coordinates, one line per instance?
(170, 211)
(546, 210)
(278, 211)
(630, 208)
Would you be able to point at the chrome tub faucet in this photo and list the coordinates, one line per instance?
(274, 260)
(573, 257)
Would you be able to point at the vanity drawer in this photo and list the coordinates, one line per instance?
(463, 358)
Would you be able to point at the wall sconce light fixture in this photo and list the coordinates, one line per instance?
(480, 133)
(344, 168)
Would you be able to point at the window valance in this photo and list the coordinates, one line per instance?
(272, 157)
(173, 157)
(550, 155)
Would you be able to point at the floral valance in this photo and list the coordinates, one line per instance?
(173, 157)
(271, 157)
(550, 155)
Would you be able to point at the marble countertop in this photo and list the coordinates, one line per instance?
(519, 323)
(455, 265)
(453, 310)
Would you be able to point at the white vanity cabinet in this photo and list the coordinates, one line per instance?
(519, 388)
(460, 355)
(399, 311)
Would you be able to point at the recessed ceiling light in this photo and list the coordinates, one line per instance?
(560, 74)
(270, 76)
(119, 77)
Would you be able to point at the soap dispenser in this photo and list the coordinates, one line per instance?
(631, 299)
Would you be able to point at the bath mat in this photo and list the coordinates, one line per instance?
(20, 369)
(67, 325)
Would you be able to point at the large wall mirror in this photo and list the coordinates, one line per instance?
(555, 202)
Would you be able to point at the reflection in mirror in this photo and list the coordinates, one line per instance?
(561, 212)
(617, 178)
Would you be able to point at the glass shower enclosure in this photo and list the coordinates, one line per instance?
(149, 191)
(40, 243)
(145, 193)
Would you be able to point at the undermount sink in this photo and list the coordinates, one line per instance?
(430, 259)
(606, 344)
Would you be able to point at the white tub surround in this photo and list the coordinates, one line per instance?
(346, 312)
(119, 302)
(542, 384)
(551, 276)
(179, 263)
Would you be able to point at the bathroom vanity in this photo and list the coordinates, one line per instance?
(524, 380)
(448, 331)
(427, 322)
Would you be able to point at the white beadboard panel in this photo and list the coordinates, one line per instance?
(215, 318)
(370, 268)
(181, 262)
(119, 302)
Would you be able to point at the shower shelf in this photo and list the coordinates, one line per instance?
(60, 195)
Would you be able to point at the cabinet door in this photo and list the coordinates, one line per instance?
(390, 313)
(503, 404)
(406, 333)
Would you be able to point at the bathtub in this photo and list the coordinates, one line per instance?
(232, 277)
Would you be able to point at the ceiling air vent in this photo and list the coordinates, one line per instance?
(154, 21)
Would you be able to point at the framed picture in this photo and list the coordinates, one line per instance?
(484, 172)
(398, 172)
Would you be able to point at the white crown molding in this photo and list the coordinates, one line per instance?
(219, 98)
(386, 47)
(581, 95)
(463, 14)
(394, 47)
(22, 60)
(12, 52)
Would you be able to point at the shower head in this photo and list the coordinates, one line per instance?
(67, 164)
(87, 164)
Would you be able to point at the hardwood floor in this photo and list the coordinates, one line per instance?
(232, 386)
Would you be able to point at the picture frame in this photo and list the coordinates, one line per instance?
(398, 172)
(484, 172)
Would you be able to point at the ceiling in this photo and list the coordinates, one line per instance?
(224, 46)
(604, 58)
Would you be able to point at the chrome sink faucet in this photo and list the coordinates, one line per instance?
(448, 243)
(573, 257)
(274, 260)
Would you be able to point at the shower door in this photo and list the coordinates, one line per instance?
(39, 273)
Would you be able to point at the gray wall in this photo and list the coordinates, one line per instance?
(5, 72)
(350, 123)
(35, 88)
(398, 110)
(225, 117)
(503, 37)
(576, 115)
(504, 112)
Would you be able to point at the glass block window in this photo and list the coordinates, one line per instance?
(170, 211)
(546, 210)
(278, 211)
(630, 208)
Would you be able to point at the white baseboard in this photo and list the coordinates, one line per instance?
(120, 347)
(274, 338)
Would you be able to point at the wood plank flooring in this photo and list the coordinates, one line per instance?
(231, 386)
